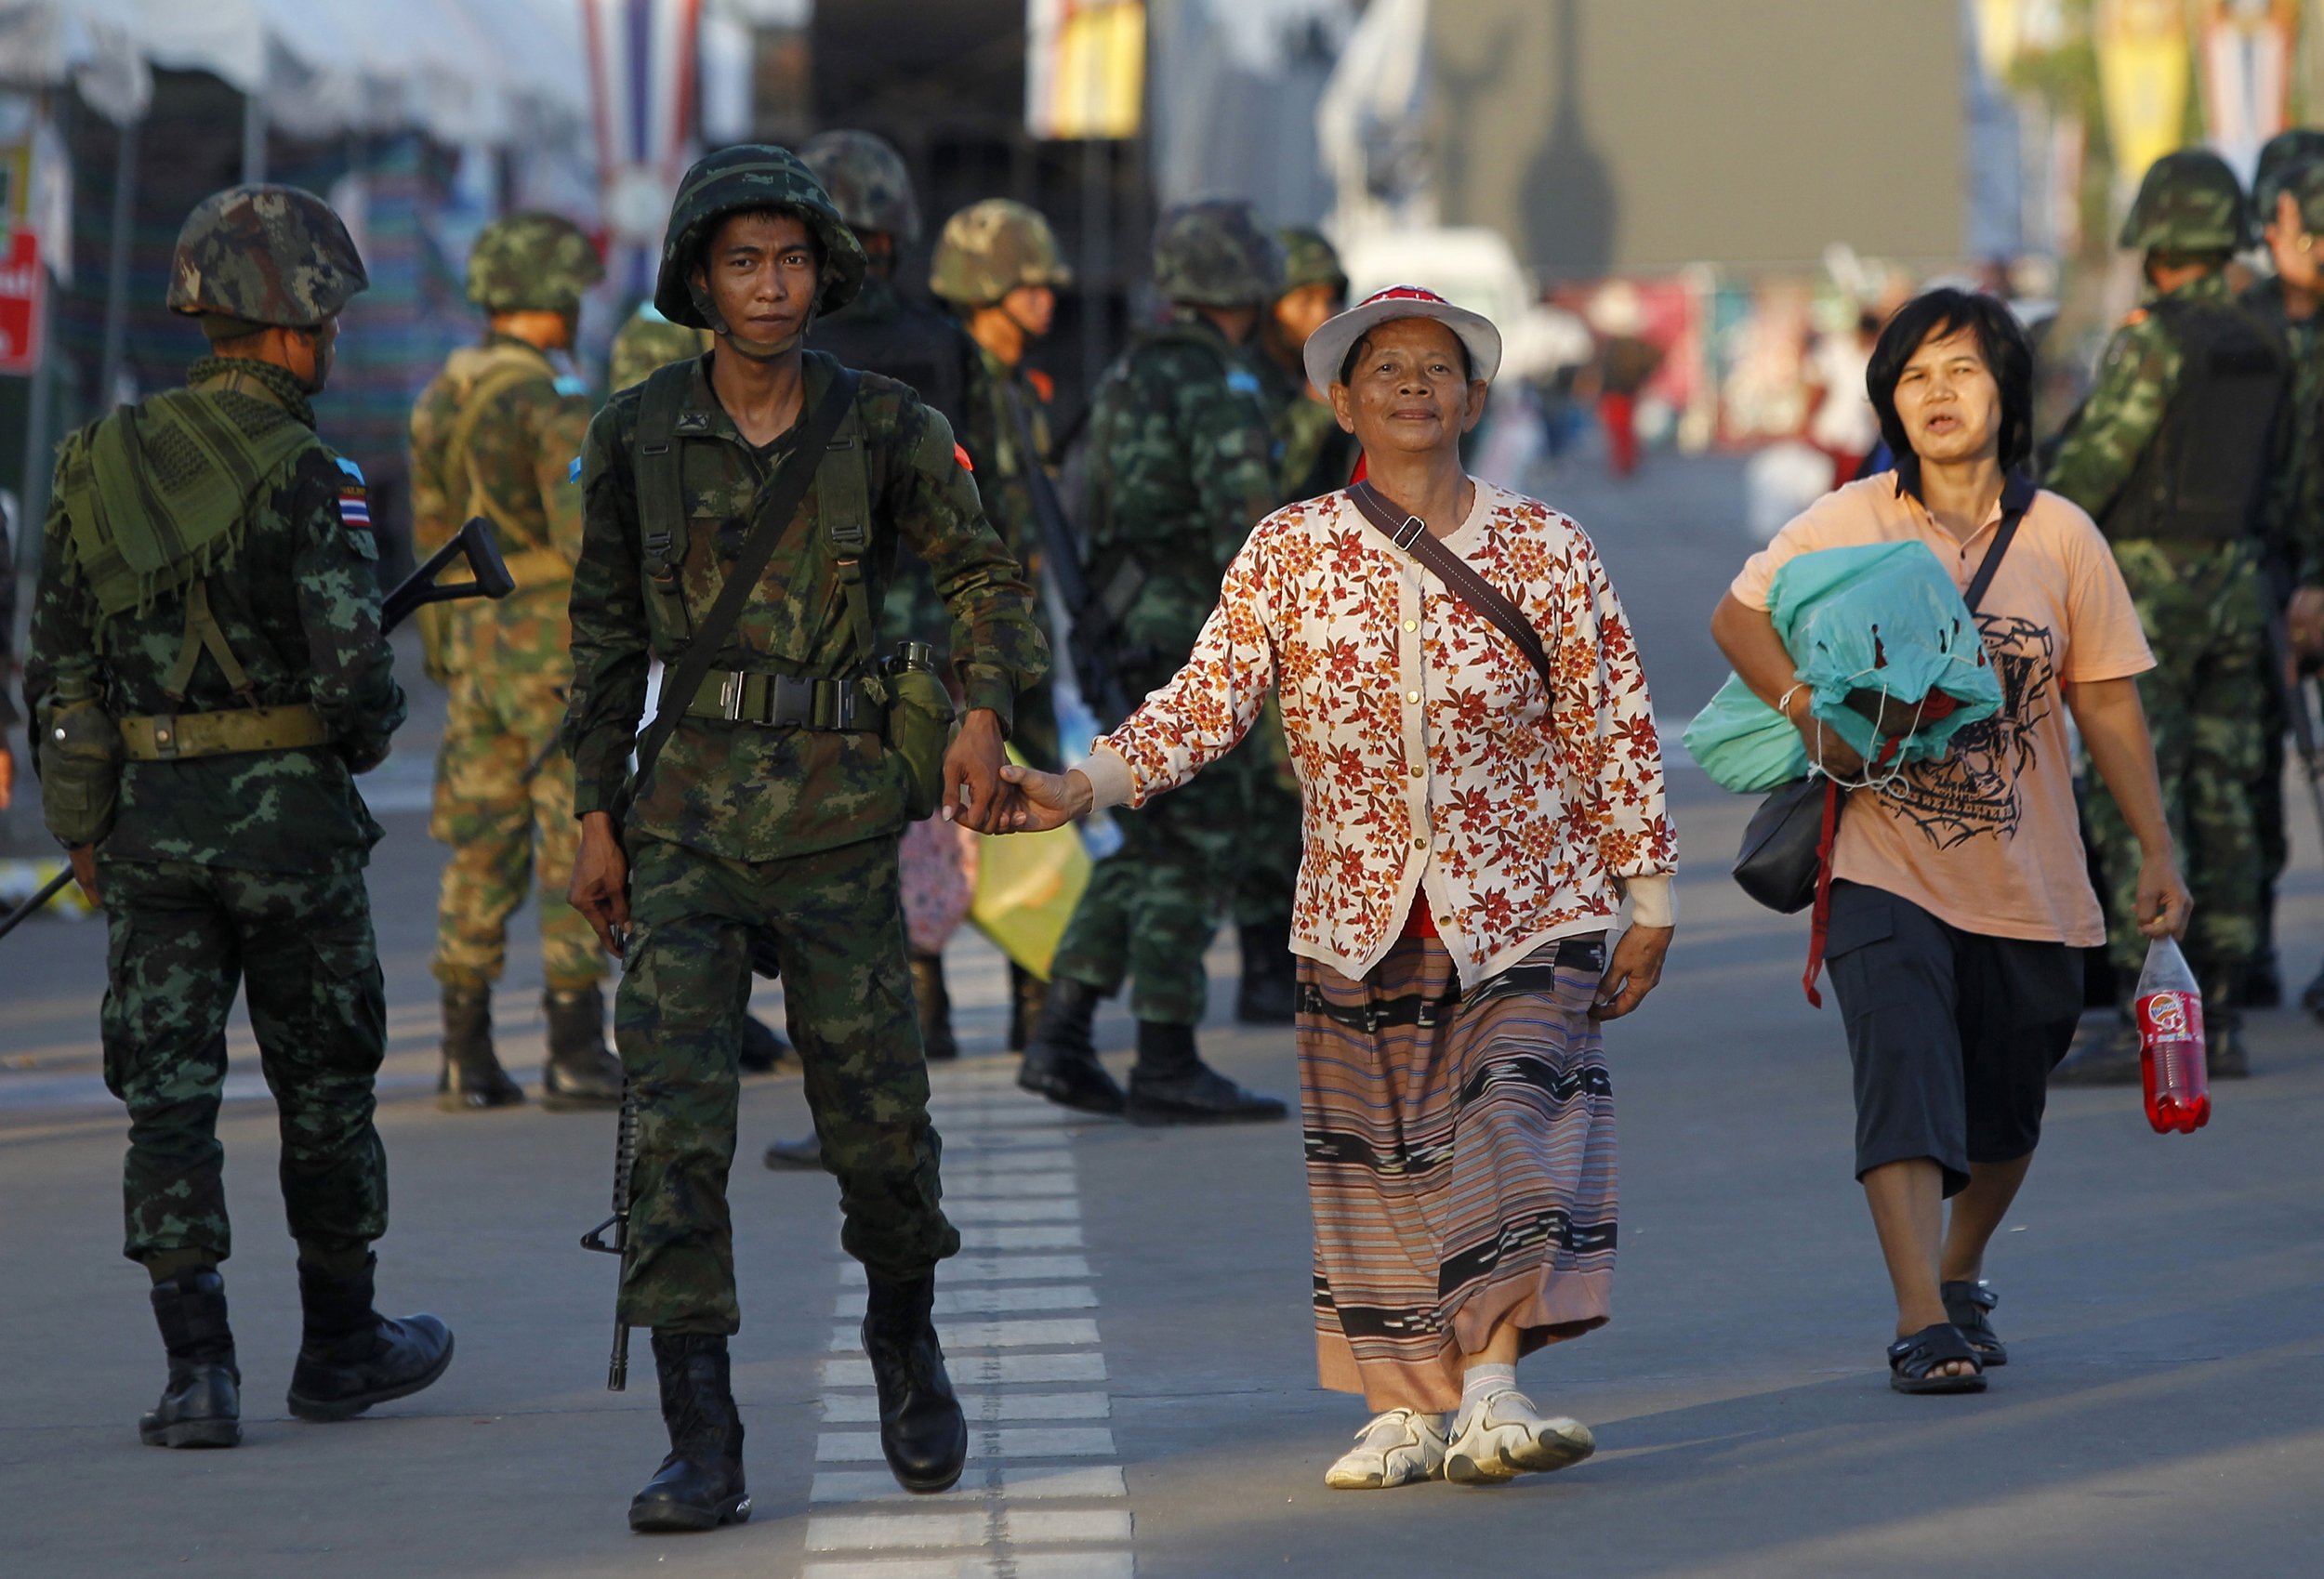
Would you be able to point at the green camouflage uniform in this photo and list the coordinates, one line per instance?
(2204, 607)
(1182, 466)
(744, 835)
(647, 341)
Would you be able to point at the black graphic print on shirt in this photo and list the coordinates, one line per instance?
(1973, 790)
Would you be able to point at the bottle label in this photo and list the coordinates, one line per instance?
(2171, 1017)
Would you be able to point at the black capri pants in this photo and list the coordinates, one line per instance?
(1952, 1034)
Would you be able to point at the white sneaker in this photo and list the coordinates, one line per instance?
(1503, 1437)
(1396, 1449)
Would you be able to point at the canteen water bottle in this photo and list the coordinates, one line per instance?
(2169, 1011)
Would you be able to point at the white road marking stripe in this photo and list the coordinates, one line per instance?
(1040, 1236)
(985, 1370)
(1031, 1565)
(1064, 1208)
(1062, 1333)
(1003, 1186)
(991, 1269)
(1011, 1115)
(981, 1142)
(985, 1442)
(890, 1531)
(1002, 1481)
(863, 1408)
(987, 1301)
(1018, 1159)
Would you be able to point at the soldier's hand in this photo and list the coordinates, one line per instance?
(974, 762)
(84, 859)
(1048, 800)
(601, 882)
(2163, 901)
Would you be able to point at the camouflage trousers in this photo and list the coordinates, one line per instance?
(2207, 707)
(180, 937)
(835, 921)
(1267, 863)
(504, 803)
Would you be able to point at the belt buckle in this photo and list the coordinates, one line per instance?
(822, 704)
(730, 696)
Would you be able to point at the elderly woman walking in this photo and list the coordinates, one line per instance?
(1483, 790)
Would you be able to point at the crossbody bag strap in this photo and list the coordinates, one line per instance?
(776, 507)
(2018, 494)
(1411, 533)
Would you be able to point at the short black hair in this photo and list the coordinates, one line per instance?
(2001, 340)
(1363, 341)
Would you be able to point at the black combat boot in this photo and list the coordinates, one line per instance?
(351, 1357)
(935, 1005)
(581, 1071)
(921, 1430)
(473, 1079)
(764, 1047)
(699, 1486)
(1026, 995)
(1062, 1064)
(202, 1405)
(2224, 1056)
(1170, 1084)
(1270, 991)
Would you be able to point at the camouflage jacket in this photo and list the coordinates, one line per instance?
(523, 429)
(298, 601)
(1182, 466)
(736, 790)
(2295, 502)
(1317, 454)
(2124, 409)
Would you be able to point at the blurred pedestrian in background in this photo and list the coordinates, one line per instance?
(1182, 466)
(1844, 424)
(1960, 896)
(1482, 808)
(495, 435)
(2172, 455)
(1626, 362)
(8, 715)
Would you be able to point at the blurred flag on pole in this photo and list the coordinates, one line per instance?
(2143, 63)
(2247, 75)
(1085, 68)
(642, 55)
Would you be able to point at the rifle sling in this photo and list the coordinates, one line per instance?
(1411, 534)
(776, 507)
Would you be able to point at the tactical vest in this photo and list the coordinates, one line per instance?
(489, 374)
(2199, 478)
(916, 346)
(1096, 478)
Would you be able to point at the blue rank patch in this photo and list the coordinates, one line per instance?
(573, 472)
(571, 384)
(1242, 382)
(350, 468)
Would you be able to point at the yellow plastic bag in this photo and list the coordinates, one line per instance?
(1026, 887)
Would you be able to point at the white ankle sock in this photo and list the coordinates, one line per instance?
(1479, 1381)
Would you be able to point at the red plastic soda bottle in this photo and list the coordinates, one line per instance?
(2170, 1013)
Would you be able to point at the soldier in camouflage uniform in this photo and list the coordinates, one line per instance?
(208, 675)
(647, 341)
(1182, 466)
(494, 435)
(2170, 453)
(1318, 454)
(769, 819)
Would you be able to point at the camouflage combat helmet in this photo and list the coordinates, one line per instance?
(1308, 258)
(2305, 183)
(532, 262)
(989, 249)
(267, 256)
(867, 182)
(2281, 158)
(749, 175)
(2189, 202)
(1216, 253)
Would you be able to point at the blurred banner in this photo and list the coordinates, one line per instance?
(2247, 75)
(2143, 69)
(642, 55)
(1085, 69)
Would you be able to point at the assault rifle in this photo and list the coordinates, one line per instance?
(625, 1166)
(1095, 614)
(488, 577)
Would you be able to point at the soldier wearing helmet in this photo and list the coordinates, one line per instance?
(2171, 453)
(207, 676)
(1317, 456)
(772, 789)
(494, 434)
(1182, 466)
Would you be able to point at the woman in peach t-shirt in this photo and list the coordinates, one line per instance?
(1961, 896)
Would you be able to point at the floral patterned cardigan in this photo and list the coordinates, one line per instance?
(1431, 763)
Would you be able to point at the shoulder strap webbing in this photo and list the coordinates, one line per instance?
(776, 507)
(843, 502)
(508, 370)
(1411, 534)
(661, 490)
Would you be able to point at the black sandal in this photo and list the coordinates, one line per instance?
(1913, 1362)
(1965, 1305)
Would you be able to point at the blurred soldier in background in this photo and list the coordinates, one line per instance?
(1182, 466)
(1317, 454)
(495, 434)
(2171, 453)
(647, 341)
(209, 610)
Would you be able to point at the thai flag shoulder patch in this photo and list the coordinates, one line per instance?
(354, 507)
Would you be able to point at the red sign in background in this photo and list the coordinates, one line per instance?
(23, 284)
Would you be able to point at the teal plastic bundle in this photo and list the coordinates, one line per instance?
(1883, 619)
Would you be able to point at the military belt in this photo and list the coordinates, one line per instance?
(176, 737)
(790, 702)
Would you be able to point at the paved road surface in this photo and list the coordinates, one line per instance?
(1131, 1318)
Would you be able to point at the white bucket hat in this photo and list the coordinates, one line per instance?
(1328, 346)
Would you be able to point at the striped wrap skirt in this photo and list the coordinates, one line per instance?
(1460, 1164)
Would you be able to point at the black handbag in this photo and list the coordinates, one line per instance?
(1782, 853)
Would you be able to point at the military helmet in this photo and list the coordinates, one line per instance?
(867, 182)
(2280, 159)
(750, 176)
(2189, 202)
(1216, 253)
(646, 342)
(266, 255)
(990, 248)
(2305, 183)
(1308, 258)
(532, 261)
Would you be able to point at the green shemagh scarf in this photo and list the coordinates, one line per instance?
(164, 486)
